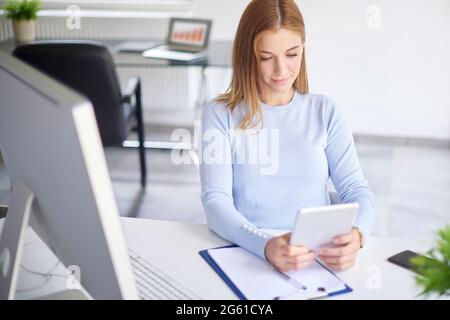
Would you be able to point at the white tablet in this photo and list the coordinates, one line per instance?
(316, 227)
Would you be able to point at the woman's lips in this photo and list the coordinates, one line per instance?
(280, 81)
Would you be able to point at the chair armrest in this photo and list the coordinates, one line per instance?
(131, 90)
(334, 197)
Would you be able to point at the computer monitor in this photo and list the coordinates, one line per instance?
(54, 157)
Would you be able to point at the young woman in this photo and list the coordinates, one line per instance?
(268, 107)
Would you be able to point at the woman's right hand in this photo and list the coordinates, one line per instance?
(286, 257)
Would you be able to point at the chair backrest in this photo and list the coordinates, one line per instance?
(334, 197)
(87, 67)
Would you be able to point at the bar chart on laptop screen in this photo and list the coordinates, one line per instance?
(188, 33)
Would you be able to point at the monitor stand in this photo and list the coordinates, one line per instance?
(12, 241)
(69, 294)
(13, 237)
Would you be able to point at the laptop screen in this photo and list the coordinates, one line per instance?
(189, 32)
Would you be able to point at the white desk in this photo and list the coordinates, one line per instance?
(173, 247)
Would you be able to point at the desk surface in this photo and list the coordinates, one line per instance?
(173, 247)
(218, 55)
(372, 277)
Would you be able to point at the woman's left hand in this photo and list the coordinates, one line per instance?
(342, 256)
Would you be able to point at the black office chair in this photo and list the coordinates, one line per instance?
(87, 67)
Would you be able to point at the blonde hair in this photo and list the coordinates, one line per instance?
(260, 16)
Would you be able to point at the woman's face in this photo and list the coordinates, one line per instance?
(280, 60)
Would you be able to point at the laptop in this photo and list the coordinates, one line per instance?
(137, 46)
(187, 40)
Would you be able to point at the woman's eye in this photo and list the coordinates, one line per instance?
(265, 58)
(292, 55)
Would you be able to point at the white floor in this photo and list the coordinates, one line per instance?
(411, 186)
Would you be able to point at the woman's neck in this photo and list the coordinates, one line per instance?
(278, 98)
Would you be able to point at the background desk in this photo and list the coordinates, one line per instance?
(218, 55)
(173, 247)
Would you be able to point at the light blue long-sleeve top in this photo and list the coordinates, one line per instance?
(300, 146)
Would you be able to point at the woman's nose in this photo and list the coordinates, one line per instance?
(280, 66)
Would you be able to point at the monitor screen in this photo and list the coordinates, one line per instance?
(51, 144)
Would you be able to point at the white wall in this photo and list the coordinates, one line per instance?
(394, 81)
(225, 14)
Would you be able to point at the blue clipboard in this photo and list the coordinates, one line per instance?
(205, 255)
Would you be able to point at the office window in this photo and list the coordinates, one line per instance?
(161, 5)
